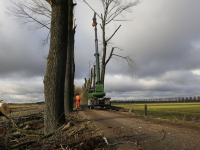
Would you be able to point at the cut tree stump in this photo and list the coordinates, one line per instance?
(2, 131)
(4, 109)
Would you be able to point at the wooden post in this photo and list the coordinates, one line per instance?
(145, 110)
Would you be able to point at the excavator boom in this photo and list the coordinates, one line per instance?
(96, 94)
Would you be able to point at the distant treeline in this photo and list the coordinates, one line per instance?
(160, 100)
(25, 103)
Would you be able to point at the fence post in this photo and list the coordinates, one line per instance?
(145, 110)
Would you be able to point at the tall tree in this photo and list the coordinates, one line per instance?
(58, 81)
(114, 10)
(69, 76)
(54, 79)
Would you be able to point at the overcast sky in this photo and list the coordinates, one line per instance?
(163, 39)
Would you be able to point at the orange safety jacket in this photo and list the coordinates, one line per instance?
(78, 98)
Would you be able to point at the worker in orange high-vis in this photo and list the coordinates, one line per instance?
(78, 98)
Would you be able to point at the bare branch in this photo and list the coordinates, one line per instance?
(123, 20)
(38, 8)
(49, 1)
(46, 40)
(119, 61)
(120, 9)
(103, 4)
(115, 5)
(113, 34)
(35, 11)
(92, 9)
(131, 63)
(111, 53)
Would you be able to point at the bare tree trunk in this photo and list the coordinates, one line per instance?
(73, 67)
(91, 73)
(85, 92)
(56, 66)
(68, 100)
(94, 75)
(103, 66)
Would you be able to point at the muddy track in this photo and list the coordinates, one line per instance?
(125, 131)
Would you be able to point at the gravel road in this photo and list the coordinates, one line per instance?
(125, 131)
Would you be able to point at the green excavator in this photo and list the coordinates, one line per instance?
(97, 94)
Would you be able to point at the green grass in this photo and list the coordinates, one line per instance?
(170, 111)
(23, 107)
(18, 110)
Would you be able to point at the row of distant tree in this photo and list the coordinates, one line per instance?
(156, 100)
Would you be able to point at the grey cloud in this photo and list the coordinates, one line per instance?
(163, 38)
(25, 98)
(19, 54)
(162, 43)
(160, 38)
(21, 86)
(176, 81)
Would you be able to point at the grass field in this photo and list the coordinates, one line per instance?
(23, 107)
(18, 110)
(170, 111)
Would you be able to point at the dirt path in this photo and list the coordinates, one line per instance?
(126, 131)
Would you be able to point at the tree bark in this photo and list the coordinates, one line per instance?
(56, 66)
(94, 75)
(68, 99)
(73, 67)
(103, 66)
(91, 73)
